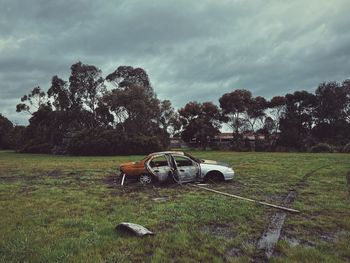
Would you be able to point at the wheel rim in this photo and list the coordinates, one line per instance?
(145, 179)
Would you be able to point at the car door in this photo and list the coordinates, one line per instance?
(159, 166)
(187, 170)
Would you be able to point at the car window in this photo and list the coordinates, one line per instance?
(159, 161)
(193, 158)
(182, 161)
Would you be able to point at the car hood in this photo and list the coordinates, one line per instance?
(215, 163)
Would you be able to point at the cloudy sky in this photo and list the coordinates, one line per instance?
(192, 50)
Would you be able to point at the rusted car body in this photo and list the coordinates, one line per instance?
(178, 166)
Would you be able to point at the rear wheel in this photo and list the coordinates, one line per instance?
(146, 179)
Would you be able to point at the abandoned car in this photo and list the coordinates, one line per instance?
(177, 166)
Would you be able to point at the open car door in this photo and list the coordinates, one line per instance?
(159, 166)
(187, 170)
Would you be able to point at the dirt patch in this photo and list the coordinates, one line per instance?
(26, 190)
(133, 188)
(111, 180)
(164, 227)
(8, 178)
(38, 175)
(276, 198)
(76, 174)
(54, 173)
(18, 178)
(220, 231)
(294, 241)
(234, 252)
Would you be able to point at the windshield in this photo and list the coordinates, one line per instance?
(145, 158)
(193, 158)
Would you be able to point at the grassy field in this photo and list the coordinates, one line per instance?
(65, 209)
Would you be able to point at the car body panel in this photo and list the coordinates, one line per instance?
(161, 172)
(227, 172)
(187, 170)
(180, 166)
(133, 168)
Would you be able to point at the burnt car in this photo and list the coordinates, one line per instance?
(177, 166)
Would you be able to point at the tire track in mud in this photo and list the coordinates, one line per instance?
(268, 240)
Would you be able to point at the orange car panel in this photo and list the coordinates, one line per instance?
(134, 168)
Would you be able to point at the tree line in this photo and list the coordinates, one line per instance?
(89, 114)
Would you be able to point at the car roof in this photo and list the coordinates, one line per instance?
(167, 152)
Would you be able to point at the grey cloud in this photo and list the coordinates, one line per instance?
(192, 50)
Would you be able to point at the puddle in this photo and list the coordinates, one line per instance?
(271, 235)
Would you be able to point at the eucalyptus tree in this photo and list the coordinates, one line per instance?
(200, 122)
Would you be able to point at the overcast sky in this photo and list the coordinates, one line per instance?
(192, 50)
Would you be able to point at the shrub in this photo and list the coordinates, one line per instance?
(322, 148)
(33, 147)
(111, 142)
(94, 142)
(143, 144)
(346, 148)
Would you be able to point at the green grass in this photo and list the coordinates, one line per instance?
(65, 209)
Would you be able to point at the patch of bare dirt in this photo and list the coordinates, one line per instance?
(111, 180)
(26, 190)
(294, 241)
(220, 231)
(234, 252)
(277, 198)
(14, 178)
(37, 175)
(54, 173)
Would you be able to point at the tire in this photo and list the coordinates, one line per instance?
(214, 176)
(146, 179)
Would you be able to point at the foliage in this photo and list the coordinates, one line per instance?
(35, 99)
(234, 107)
(6, 128)
(36, 147)
(256, 112)
(82, 106)
(346, 148)
(331, 100)
(169, 119)
(110, 142)
(243, 112)
(297, 122)
(322, 148)
(82, 109)
(200, 122)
